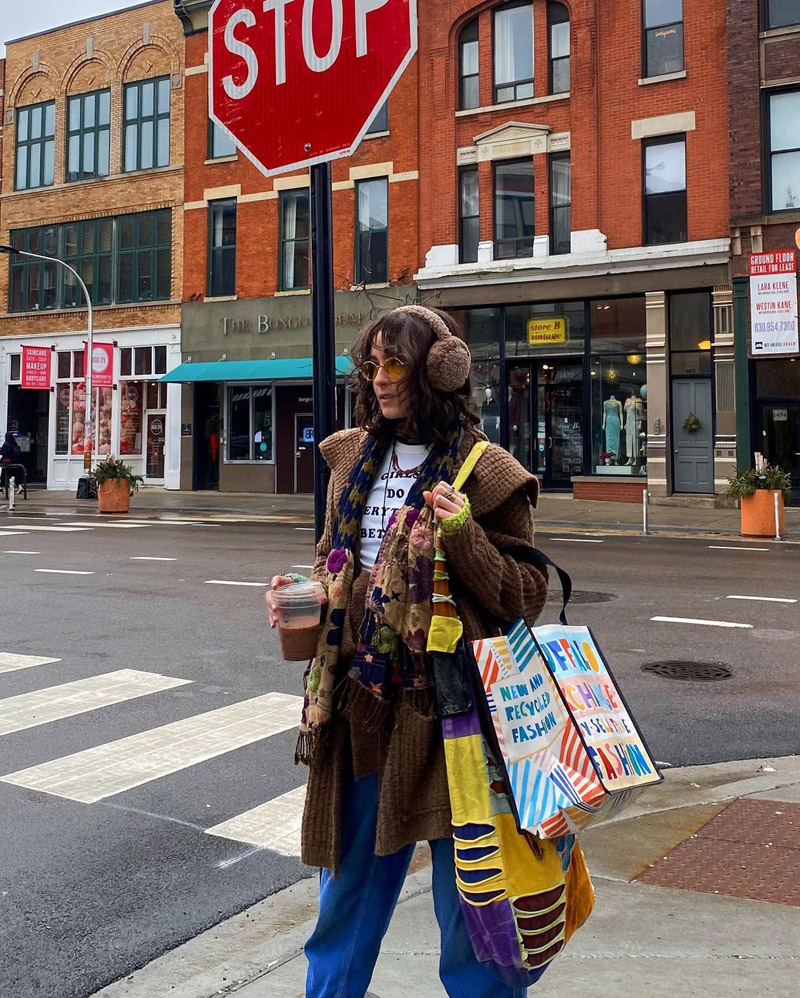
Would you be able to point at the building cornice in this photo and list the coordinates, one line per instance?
(193, 15)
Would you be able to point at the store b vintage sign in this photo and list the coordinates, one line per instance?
(102, 364)
(36, 367)
(773, 304)
(546, 332)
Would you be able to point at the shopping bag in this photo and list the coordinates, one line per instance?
(572, 751)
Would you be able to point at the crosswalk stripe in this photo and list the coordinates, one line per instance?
(11, 663)
(28, 710)
(10, 533)
(274, 825)
(120, 765)
(51, 529)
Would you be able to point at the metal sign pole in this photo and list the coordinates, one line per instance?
(323, 330)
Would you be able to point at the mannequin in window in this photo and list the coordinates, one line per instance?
(612, 423)
(633, 420)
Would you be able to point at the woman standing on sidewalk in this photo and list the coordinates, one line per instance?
(370, 734)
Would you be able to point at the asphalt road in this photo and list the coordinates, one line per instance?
(96, 880)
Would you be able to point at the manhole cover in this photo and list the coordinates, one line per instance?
(704, 672)
(581, 596)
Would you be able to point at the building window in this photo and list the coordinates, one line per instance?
(372, 231)
(88, 248)
(780, 13)
(219, 144)
(560, 204)
(71, 408)
(665, 191)
(36, 126)
(144, 256)
(295, 226)
(663, 37)
(784, 151)
(469, 67)
(381, 120)
(34, 283)
(222, 248)
(88, 135)
(558, 22)
(469, 206)
(147, 124)
(514, 209)
(249, 431)
(513, 52)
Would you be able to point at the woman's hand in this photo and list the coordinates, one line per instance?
(276, 583)
(444, 501)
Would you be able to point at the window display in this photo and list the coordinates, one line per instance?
(619, 415)
(249, 430)
(130, 430)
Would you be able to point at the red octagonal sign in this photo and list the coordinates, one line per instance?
(297, 82)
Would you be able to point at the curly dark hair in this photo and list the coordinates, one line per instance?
(434, 413)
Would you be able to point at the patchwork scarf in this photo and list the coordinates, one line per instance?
(392, 638)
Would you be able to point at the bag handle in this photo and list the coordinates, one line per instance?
(533, 556)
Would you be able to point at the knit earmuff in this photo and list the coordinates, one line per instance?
(449, 358)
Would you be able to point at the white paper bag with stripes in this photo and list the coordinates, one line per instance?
(571, 749)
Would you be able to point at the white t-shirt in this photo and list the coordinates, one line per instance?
(389, 492)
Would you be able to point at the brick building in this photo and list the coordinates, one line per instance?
(92, 174)
(246, 317)
(574, 213)
(764, 109)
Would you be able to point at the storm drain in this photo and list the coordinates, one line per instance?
(581, 596)
(703, 672)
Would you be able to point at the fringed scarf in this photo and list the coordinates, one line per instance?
(392, 638)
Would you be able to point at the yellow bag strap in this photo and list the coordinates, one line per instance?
(471, 460)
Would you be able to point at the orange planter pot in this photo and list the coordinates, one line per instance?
(114, 496)
(758, 513)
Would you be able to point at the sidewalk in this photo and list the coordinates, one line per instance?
(698, 894)
(556, 510)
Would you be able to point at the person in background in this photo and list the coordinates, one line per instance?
(369, 731)
(9, 454)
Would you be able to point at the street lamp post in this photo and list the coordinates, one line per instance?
(87, 427)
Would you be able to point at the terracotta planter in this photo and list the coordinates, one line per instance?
(114, 496)
(758, 513)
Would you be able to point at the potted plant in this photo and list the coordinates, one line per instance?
(756, 488)
(115, 481)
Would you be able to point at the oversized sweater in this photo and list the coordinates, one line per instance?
(403, 743)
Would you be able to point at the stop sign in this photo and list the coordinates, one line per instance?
(297, 82)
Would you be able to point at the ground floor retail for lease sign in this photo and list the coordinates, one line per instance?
(773, 304)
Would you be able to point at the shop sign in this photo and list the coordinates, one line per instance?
(773, 304)
(36, 367)
(270, 324)
(547, 332)
(102, 364)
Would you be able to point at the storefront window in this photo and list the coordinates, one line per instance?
(545, 329)
(487, 397)
(482, 330)
(131, 408)
(618, 374)
(249, 430)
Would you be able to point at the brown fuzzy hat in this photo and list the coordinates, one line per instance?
(449, 359)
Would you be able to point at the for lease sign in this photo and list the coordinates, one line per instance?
(773, 304)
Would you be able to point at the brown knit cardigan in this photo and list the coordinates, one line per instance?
(406, 749)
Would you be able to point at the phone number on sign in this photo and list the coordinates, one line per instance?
(778, 326)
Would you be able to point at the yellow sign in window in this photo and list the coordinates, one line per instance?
(546, 332)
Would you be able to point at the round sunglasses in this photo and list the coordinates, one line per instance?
(395, 368)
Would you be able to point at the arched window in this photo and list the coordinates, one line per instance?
(558, 26)
(468, 67)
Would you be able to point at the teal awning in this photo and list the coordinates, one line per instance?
(284, 369)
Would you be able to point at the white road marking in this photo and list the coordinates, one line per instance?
(303, 528)
(225, 582)
(764, 599)
(50, 529)
(695, 620)
(575, 540)
(11, 533)
(274, 825)
(145, 557)
(28, 710)
(731, 547)
(302, 566)
(110, 769)
(11, 663)
(21, 552)
(61, 571)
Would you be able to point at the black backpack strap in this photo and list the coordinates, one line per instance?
(533, 556)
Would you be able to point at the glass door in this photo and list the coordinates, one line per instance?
(561, 399)
(780, 433)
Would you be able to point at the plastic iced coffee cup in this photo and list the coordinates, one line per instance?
(299, 611)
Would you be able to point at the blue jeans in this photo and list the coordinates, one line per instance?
(356, 908)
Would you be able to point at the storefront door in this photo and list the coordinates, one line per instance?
(304, 453)
(780, 435)
(545, 418)
(693, 457)
(156, 437)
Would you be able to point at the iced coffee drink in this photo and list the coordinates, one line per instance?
(299, 610)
